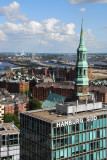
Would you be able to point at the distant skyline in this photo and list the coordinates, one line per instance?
(52, 26)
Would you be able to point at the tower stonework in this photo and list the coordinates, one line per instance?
(81, 74)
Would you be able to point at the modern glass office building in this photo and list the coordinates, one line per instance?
(48, 135)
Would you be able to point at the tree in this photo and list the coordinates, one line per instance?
(11, 118)
(34, 104)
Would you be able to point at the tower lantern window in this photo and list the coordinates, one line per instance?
(80, 72)
(80, 55)
(84, 56)
(84, 72)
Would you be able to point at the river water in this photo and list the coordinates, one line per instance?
(7, 64)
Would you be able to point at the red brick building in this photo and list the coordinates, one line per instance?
(14, 86)
(61, 73)
(41, 91)
(15, 107)
(99, 91)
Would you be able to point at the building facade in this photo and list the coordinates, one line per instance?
(9, 142)
(61, 73)
(50, 135)
(41, 91)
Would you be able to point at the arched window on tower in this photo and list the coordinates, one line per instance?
(84, 72)
(80, 72)
(80, 55)
(84, 56)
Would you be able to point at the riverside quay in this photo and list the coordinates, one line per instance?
(62, 134)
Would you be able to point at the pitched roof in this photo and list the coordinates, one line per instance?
(52, 100)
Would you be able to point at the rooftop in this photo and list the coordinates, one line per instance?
(50, 115)
(8, 128)
(56, 85)
(52, 100)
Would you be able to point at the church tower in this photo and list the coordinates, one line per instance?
(81, 72)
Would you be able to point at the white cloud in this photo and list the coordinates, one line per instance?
(47, 33)
(47, 29)
(69, 29)
(82, 10)
(12, 12)
(86, 1)
(43, 42)
(33, 27)
(3, 37)
(89, 37)
(49, 24)
(11, 28)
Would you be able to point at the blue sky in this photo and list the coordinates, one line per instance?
(52, 26)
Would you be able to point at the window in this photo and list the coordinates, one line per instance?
(104, 132)
(94, 134)
(84, 72)
(73, 139)
(65, 152)
(101, 154)
(101, 123)
(98, 134)
(98, 123)
(57, 154)
(104, 122)
(73, 128)
(81, 126)
(98, 155)
(80, 72)
(77, 149)
(77, 138)
(69, 152)
(84, 137)
(87, 147)
(84, 147)
(73, 150)
(69, 140)
(69, 129)
(94, 124)
(58, 142)
(104, 143)
(101, 133)
(80, 138)
(66, 141)
(61, 153)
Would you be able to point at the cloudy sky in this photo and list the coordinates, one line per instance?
(52, 26)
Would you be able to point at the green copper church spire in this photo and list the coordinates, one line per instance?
(81, 76)
(82, 44)
(82, 35)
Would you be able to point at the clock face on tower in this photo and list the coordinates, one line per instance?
(79, 89)
(82, 89)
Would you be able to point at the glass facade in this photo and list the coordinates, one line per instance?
(83, 141)
(35, 140)
(42, 140)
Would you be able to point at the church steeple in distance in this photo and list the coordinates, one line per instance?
(81, 74)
